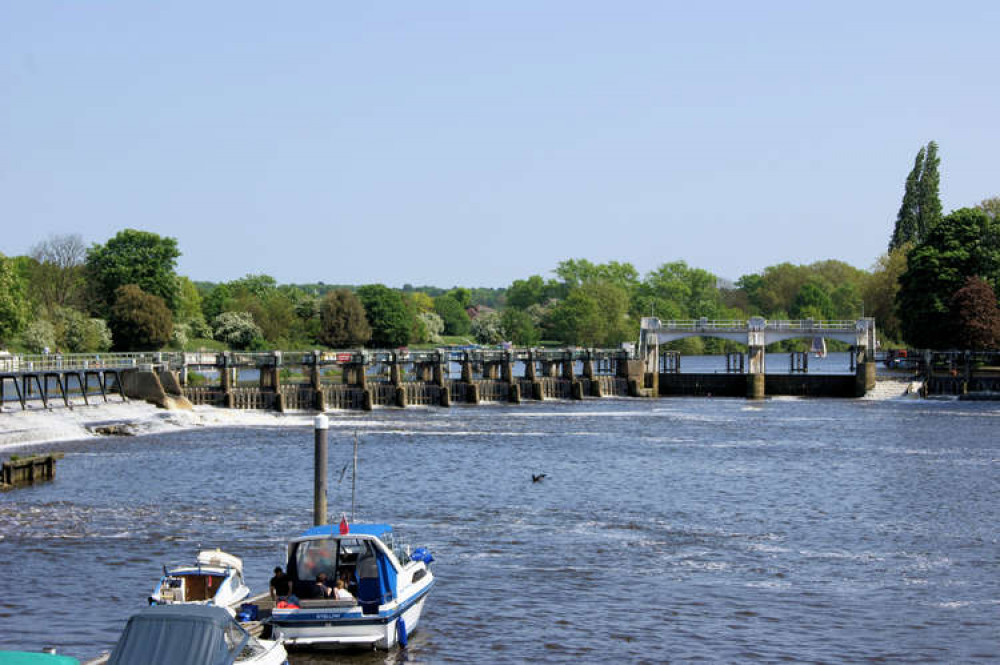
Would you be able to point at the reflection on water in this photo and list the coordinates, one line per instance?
(672, 529)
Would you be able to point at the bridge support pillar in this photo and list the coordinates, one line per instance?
(864, 378)
(529, 367)
(755, 386)
(569, 367)
(515, 393)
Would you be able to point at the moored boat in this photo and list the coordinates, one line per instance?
(202, 634)
(216, 578)
(387, 583)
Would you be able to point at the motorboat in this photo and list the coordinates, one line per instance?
(202, 634)
(387, 583)
(216, 578)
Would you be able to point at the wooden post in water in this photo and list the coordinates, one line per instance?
(322, 425)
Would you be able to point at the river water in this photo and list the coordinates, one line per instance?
(670, 530)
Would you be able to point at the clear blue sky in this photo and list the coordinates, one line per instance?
(476, 143)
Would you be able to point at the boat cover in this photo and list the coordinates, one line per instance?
(378, 530)
(180, 635)
(31, 658)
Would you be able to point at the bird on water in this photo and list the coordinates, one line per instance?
(537, 477)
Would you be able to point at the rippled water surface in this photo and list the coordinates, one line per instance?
(665, 530)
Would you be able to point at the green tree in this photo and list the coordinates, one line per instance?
(456, 320)
(139, 321)
(14, 307)
(189, 308)
(920, 210)
(219, 299)
(386, 315)
(595, 314)
(676, 290)
(812, 302)
(929, 198)
(846, 302)
(513, 321)
(576, 320)
(909, 210)
(519, 328)
(977, 318)
(964, 244)
(577, 272)
(134, 257)
(343, 323)
(523, 293)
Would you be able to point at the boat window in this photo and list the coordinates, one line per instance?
(313, 557)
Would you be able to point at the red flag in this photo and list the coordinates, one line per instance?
(344, 528)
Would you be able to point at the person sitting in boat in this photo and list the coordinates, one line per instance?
(281, 585)
(340, 591)
(323, 588)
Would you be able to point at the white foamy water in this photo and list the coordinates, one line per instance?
(39, 426)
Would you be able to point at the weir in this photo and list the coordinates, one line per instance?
(363, 379)
(747, 374)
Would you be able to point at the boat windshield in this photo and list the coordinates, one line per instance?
(333, 556)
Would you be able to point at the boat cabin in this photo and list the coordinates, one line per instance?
(362, 558)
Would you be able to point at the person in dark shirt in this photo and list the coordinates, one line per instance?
(281, 585)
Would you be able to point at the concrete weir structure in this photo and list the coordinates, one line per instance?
(364, 379)
(663, 377)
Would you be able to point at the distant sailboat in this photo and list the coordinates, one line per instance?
(818, 347)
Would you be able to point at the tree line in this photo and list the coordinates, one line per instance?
(934, 288)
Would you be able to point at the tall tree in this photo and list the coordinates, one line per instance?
(456, 320)
(909, 210)
(386, 315)
(921, 207)
(929, 198)
(134, 257)
(964, 244)
(342, 320)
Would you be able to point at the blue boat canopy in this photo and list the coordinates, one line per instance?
(377, 530)
(170, 634)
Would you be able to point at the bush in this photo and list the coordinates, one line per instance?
(238, 330)
(38, 336)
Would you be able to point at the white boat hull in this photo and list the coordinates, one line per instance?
(316, 627)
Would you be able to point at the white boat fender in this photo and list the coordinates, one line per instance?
(401, 632)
